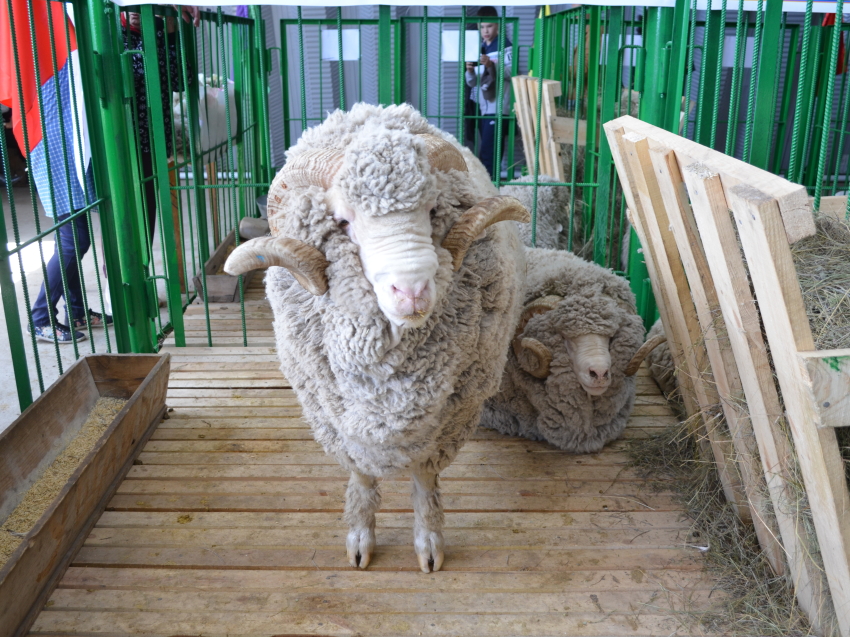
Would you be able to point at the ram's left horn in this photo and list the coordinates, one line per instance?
(443, 155)
(643, 352)
(477, 219)
(305, 262)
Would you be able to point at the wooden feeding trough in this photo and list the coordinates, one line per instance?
(33, 442)
(702, 262)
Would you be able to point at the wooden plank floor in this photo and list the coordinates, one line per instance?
(231, 523)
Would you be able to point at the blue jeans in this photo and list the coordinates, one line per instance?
(487, 149)
(65, 239)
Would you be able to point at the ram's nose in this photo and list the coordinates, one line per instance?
(412, 299)
(596, 378)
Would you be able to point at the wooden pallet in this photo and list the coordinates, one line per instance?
(679, 195)
(231, 522)
(526, 90)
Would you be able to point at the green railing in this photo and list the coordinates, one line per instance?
(165, 205)
(165, 199)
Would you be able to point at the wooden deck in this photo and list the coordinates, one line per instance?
(230, 523)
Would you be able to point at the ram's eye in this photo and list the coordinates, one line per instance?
(343, 224)
(433, 212)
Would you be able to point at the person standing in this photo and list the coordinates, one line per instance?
(483, 79)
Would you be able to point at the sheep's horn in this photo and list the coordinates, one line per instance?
(475, 220)
(312, 168)
(533, 356)
(643, 352)
(443, 155)
(304, 261)
(537, 306)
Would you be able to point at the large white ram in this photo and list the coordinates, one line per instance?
(395, 304)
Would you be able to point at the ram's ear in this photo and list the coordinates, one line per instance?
(477, 219)
(305, 262)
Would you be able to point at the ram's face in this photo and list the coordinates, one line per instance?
(399, 260)
(381, 191)
(382, 200)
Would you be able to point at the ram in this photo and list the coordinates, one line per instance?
(569, 376)
(395, 303)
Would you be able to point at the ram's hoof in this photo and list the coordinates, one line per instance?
(429, 550)
(360, 546)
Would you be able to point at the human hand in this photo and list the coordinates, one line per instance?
(191, 15)
(485, 60)
(470, 66)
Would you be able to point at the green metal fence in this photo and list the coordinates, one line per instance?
(767, 91)
(168, 183)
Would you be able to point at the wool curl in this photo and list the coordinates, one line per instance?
(379, 406)
(557, 409)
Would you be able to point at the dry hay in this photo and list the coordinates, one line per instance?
(754, 600)
(823, 268)
(41, 494)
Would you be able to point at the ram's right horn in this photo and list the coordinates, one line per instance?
(533, 356)
(643, 352)
(312, 168)
(305, 262)
(477, 219)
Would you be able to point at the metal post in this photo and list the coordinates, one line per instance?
(119, 217)
(767, 75)
(385, 72)
(610, 99)
(160, 163)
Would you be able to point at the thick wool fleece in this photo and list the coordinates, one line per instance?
(660, 362)
(557, 409)
(383, 409)
(552, 211)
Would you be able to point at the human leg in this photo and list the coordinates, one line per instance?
(487, 128)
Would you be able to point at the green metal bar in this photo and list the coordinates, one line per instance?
(595, 36)
(340, 67)
(423, 98)
(160, 163)
(301, 70)
(721, 36)
(10, 300)
(709, 80)
(539, 50)
(610, 101)
(385, 87)
(118, 217)
(841, 131)
(735, 96)
(678, 57)
(461, 64)
(500, 96)
(782, 127)
(398, 67)
(828, 99)
(803, 96)
(816, 122)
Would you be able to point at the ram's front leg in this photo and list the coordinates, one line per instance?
(362, 501)
(427, 521)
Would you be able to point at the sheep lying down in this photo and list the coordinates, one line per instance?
(395, 293)
(569, 376)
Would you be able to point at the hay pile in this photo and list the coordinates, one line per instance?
(823, 268)
(756, 601)
(50, 484)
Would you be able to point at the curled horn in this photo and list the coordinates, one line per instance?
(313, 168)
(304, 261)
(533, 356)
(643, 352)
(442, 155)
(477, 219)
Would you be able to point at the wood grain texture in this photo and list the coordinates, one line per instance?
(231, 521)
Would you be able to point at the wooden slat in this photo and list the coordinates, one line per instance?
(724, 375)
(792, 198)
(711, 213)
(829, 371)
(783, 312)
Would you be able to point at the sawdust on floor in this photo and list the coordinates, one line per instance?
(39, 497)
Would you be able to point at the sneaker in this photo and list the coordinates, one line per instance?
(62, 334)
(96, 319)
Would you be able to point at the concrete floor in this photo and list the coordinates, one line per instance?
(42, 355)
